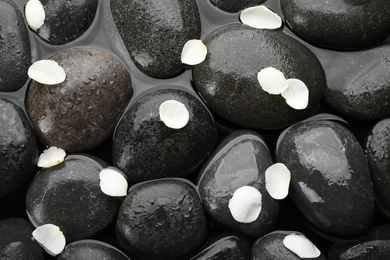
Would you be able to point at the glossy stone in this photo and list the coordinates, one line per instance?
(240, 160)
(330, 179)
(162, 219)
(18, 149)
(144, 148)
(68, 195)
(338, 23)
(377, 148)
(81, 112)
(15, 50)
(358, 83)
(155, 32)
(16, 242)
(227, 79)
(66, 21)
(91, 250)
(233, 6)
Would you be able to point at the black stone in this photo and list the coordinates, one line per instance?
(16, 242)
(227, 79)
(233, 6)
(240, 160)
(15, 50)
(338, 23)
(91, 250)
(68, 195)
(18, 149)
(81, 112)
(144, 148)
(377, 148)
(66, 21)
(359, 82)
(330, 179)
(271, 247)
(162, 219)
(154, 32)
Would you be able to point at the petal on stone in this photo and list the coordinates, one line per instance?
(193, 52)
(51, 157)
(174, 114)
(301, 246)
(277, 180)
(35, 14)
(272, 81)
(245, 205)
(260, 17)
(112, 182)
(297, 94)
(47, 72)
(51, 238)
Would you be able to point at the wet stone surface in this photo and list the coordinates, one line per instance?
(15, 50)
(18, 149)
(156, 37)
(144, 148)
(68, 195)
(81, 112)
(66, 21)
(338, 23)
(321, 190)
(358, 84)
(227, 79)
(233, 6)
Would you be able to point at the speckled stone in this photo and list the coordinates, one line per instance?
(154, 32)
(144, 148)
(68, 195)
(330, 179)
(15, 50)
(66, 21)
(377, 148)
(18, 149)
(233, 6)
(81, 112)
(338, 23)
(162, 219)
(358, 83)
(240, 160)
(227, 79)
(16, 242)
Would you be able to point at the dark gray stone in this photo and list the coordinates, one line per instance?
(162, 219)
(66, 21)
(240, 160)
(227, 79)
(81, 112)
(154, 32)
(68, 195)
(18, 149)
(338, 23)
(15, 50)
(359, 83)
(233, 6)
(144, 148)
(330, 179)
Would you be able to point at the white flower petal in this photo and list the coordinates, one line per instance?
(272, 80)
(245, 205)
(174, 114)
(277, 180)
(301, 246)
(260, 17)
(51, 157)
(297, 94)
(35, 14)
(51, 238)
(113, 183)
(47, 72)
(193, 52)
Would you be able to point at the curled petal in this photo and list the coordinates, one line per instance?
(260, 17)
(297, 94)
